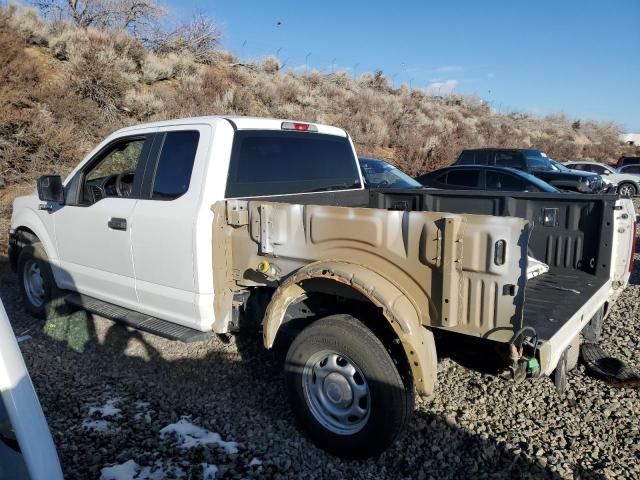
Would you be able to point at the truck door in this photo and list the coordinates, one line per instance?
(166, 219)
(93, 228)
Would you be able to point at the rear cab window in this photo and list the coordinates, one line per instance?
(273, 162)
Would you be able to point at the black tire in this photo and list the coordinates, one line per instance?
(627, 189)
(31, 255)
(390, 401)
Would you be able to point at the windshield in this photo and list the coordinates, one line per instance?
(273, 162)
(538, 160)
(558, 166)
(380, 174)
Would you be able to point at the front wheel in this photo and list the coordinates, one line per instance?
(36, 279)
(627, 189)
(345, 389)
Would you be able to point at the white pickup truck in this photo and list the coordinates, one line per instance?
(197, 226)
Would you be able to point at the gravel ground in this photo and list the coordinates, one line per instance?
(109, 392)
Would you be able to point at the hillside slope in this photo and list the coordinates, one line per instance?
(62, 89)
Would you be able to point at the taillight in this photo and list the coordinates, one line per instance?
(633, 245)
(299, 127)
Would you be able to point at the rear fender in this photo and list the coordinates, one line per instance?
(403, 317)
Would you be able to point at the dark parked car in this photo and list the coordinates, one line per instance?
(536, 163)
(482, 177)
(623, 161)
(380, 174)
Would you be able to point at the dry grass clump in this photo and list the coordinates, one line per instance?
(29, 24)
(63, 88)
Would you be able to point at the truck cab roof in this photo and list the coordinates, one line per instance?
(239, 123)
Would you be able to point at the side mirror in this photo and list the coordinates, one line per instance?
(50, 189)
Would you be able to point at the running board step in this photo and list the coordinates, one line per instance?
(137, 320)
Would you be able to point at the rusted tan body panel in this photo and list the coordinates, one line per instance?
(423, 269)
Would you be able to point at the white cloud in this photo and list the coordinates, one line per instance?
(450, 68)
(441, 88)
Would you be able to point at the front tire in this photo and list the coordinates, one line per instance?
(345, 389)
(36, 279)
(627, 190)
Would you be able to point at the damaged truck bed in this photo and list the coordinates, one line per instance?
(433, 259)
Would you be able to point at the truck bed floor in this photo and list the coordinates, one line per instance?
(553, 298)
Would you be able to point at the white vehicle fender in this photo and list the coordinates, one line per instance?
(26, 217)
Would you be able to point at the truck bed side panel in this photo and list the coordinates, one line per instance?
(446, 264)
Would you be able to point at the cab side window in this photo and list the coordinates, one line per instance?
(596, 169)
(114, 173)
(175, 165)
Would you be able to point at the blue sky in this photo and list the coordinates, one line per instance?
(578, 57)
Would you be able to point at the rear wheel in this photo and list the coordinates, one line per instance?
(345, 389)
(627, 189)
(36, 279)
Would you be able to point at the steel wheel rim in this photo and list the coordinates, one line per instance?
(33, 283)
(626, 190)
(336, 392)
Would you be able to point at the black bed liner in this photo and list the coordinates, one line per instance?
(552, 298)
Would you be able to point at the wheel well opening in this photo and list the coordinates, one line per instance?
(326, 297)
(22, 237)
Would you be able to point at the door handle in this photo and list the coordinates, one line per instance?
(117, 223)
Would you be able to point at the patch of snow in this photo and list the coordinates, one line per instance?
(97, 425)
(109, 409)
(190, 435)
(125, 471)
(254, 462)
(209, 471)
(130, 470)
(141, 405)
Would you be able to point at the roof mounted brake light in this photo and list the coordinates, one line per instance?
(299, 127)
